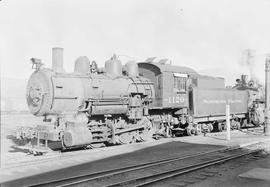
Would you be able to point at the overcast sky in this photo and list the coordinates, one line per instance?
(208, 35)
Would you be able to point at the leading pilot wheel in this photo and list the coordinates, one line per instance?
(237, 125)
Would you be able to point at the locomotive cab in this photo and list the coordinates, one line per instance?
(170, 109)
(170, 83)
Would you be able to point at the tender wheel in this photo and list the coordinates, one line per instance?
(189, 131)
(224, 127)
(238, 126)
(219, 127)
(198, 129)
(210, 127)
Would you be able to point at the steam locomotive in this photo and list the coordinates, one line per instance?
(92, 107)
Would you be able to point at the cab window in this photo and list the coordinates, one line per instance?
(180, 82)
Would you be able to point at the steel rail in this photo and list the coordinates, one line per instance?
(179, 171)
(111, 172)
(121, 170)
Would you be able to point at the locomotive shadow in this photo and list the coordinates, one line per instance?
(216, 137)
(149, 154)
(16, 142)
(107, 162)
(20, 145)
(15, 149)
(24, 145)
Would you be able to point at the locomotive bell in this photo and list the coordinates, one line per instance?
(113, 66)
(82, 65)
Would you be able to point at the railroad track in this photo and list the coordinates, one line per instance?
(13, 162)
(150, 173)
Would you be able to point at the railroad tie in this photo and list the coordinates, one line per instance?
(179, 184)
(208, 174)
(200, 177)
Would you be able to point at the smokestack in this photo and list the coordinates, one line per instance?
(267, 97)
(248, 58)
(57, 59)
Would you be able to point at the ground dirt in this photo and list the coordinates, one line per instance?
(228, 174)
(111, 157)
(9, 124)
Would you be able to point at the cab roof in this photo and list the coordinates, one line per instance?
(168, 67)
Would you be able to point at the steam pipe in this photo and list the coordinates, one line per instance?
(57, 59)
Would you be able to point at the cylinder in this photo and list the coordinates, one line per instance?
(57, 59)
(267, 97)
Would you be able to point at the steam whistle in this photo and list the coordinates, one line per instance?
(36, 63)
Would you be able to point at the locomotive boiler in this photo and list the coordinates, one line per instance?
(91, 106)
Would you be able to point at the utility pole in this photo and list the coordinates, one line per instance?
(228, 125)
(267, 97)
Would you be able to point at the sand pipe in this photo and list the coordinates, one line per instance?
(57, 59)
